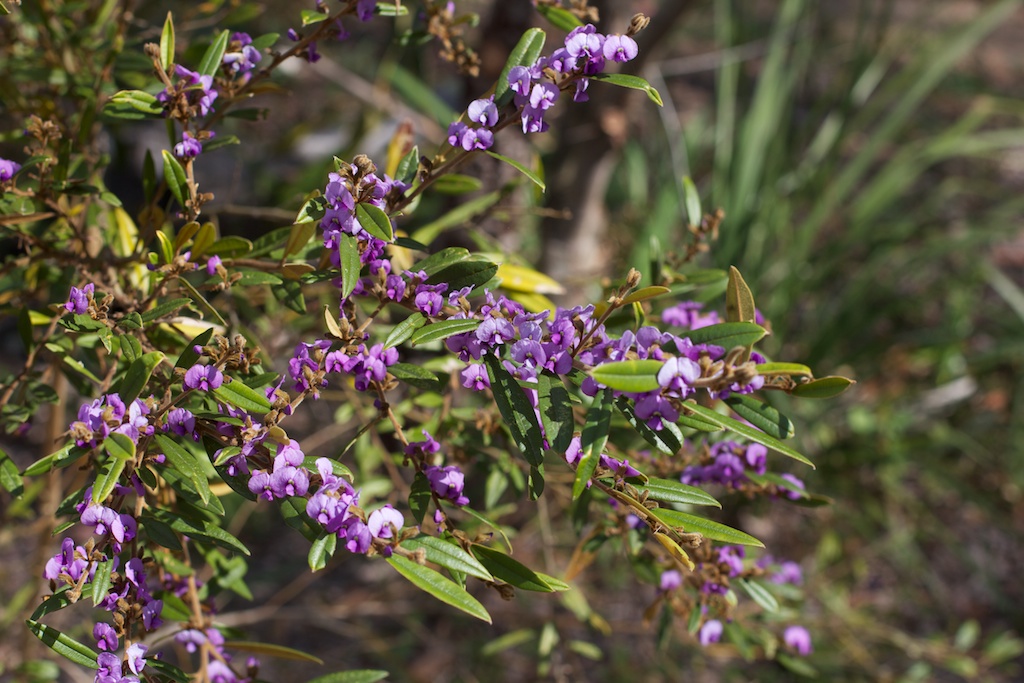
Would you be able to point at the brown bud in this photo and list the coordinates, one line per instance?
(638, 23)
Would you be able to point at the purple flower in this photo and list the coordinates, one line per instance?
(475, 377)
(8, 169)
(78, 299)
(677, 376)
(358, 536)
(191, 638)
(483, 111)
(151, 614)
(243, 59)
(181, 421)
(671, 579)
(447, 482)
(365, 8)
(260, 485)
(136, 654)
(109, 664)
(732, 556)
(70, 560)
(429, 299)
(104, 520)
(106, 637)
(789, 572)
(289, 481)
(620, 48)
(520, 82)
(469, 139)
(710, 632)
(189, 147)
(798, 639)
(381, 521)
(798, 486)
(203, 377)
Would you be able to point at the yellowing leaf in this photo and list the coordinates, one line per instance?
(523, 279)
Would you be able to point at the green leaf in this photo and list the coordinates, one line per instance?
(728, 335)
(201, 530)
(187, 463)
(241, 396)
(761, 595)
(442, 259)
(291, 294)
(516, 410)
(524, 53)
(350, 264)
(167, 44)
(136, 100)
(799, 666)
(10, 479)
(646, 293)
(442, 330)
(138, 374)
(593, 440)
(761, 415)
(310, 17)
(555, 409)
(214, 55)
(456, 183)
(65, 646)
(693, 210)
(416, 376)
(403, 330)
(468, 273)
(559, 17)
(174, 176)
(408, 166)
(271, 650)
(754, 435)
(534, 178)
(634, 376)
(824, 387)
(167, 670)
(294, 512)
(509, 570)
(130, 347)
(231, 246)
(53, 603)
(739, 301)
(634, 82)
(698, 423)
(419, 497)
(111, 473)
(443, 589)
(165, 309)
(353, 676)
(201, 301)
(63, 457)
(101, 581)
(668, 439)
(298, 237)
(188, 355)
(714, 531)
(375, 222)
(768, 369)
(672, 491)
(449, 555)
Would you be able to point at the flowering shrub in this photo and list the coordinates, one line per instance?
(642, 400)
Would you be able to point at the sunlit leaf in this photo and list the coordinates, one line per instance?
(443, 589)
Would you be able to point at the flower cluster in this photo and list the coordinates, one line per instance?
(356, 183)
(108, 415)
(241, 57)
(584, 54)
(218, 668)
(447, 482)
(191, 96)
(482, 112)
(728, 463)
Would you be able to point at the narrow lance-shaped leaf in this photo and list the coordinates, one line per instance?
(214, 54)
(739, 301)
(715, 531)
(634, 376)
(174, 176)
(353, 675)
(754, 435)
(555, 409)
(672, 491)
(592, 442)
(375, 221)
(634, 82)
(186, 463)
(509, 570)
(442, 330)
(728, 334)
(443, 589)
(350, 264)
(10, 479)
(824, 387)
(761, 415)
(138, 374)
(64, 645)
(167, 43)
(403, 330)
(534, 178)
(516, 410)
(241, 396)
(693, 210)
(524, 53)
(449, 555)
